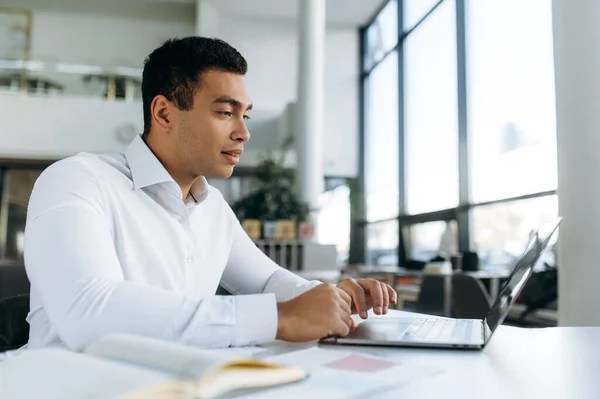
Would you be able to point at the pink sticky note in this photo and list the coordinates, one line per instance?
(360, 363)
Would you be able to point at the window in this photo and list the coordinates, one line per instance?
(511, 114)
(382, 35)
(431, 126)
(382, 243)
(333, 225)
(504, 49)
(415, 10)
(501, 231)
(425, 239)
(381, 140)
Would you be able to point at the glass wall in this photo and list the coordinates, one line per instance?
(430, 105)
(381, 140)
(510, 87)
(459, 127)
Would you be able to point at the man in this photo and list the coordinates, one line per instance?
(138, 242)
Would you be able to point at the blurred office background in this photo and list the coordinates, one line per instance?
(413, 130)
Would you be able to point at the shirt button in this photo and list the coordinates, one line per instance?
(190, 259)
(180, 220)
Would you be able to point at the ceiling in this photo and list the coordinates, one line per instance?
(342, 12)
(339, 12)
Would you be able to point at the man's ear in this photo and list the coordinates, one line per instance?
(161, 111)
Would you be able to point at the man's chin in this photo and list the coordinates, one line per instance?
(222, 173)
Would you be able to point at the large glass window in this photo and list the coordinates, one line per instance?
(381, 140)
(333, 225)
(382, 35)
(431, 146)
(415, 10)
(426, 239)
(382, 243)
(501, 231)
(511, 114)
(508, 82)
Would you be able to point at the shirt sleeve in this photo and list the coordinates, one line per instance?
(73, 266)
(250, 271)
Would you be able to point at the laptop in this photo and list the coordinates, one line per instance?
(449, 332)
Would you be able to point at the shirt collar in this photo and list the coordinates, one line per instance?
(146, 170)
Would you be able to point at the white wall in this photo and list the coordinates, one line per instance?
(577, 62)
(54, 128)
(107, 32)
(100, 40)
(271, 49)
(115, 32)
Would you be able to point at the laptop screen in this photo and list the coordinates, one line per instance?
(519, 276)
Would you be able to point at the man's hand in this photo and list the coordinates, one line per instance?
(318, 313)
(367, 294)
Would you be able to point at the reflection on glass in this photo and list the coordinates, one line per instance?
(382, 243)
(431, 146)
(533, 253)
(511, 110)
(425, 239)
(381, 140)
(415, 10)
(17, 188)
(382, 34)
(501, 231)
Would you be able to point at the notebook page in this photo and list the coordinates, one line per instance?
(58, 373)
(176, 359)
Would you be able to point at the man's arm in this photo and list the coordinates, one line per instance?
(305, 310)
(72, 264)
(250, 271)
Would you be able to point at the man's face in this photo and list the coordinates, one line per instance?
(212, 134)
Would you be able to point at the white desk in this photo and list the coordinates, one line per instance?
(518, 363)
(559, 362)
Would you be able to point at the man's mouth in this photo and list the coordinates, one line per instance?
(232, 156)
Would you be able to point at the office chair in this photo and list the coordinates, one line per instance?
(13, 279)
(431, 297)
(14, 328)
(469, 298)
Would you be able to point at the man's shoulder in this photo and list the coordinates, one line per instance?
(86, 176)
(97, 166)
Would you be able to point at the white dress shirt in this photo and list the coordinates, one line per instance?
(111, 247)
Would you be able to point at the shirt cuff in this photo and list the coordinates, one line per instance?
(287, 285)
(256, 319)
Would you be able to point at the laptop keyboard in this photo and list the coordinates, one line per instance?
(439, 330)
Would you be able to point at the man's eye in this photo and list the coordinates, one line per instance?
(226, 113)
(246, 117)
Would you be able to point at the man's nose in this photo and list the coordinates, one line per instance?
(241, 133)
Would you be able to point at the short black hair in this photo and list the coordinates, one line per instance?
(175, 68)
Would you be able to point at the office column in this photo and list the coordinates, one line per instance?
(311, 93)
(207, 19)
(577, 62)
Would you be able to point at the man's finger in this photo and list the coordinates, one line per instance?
(386, 297)
(360, 299)
(393, 295)
(375, 292)
(345, 301)
(343, 326)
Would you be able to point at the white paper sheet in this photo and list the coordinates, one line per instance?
(326, 381)
(55, 373)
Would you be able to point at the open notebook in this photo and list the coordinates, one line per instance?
(131, 367)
